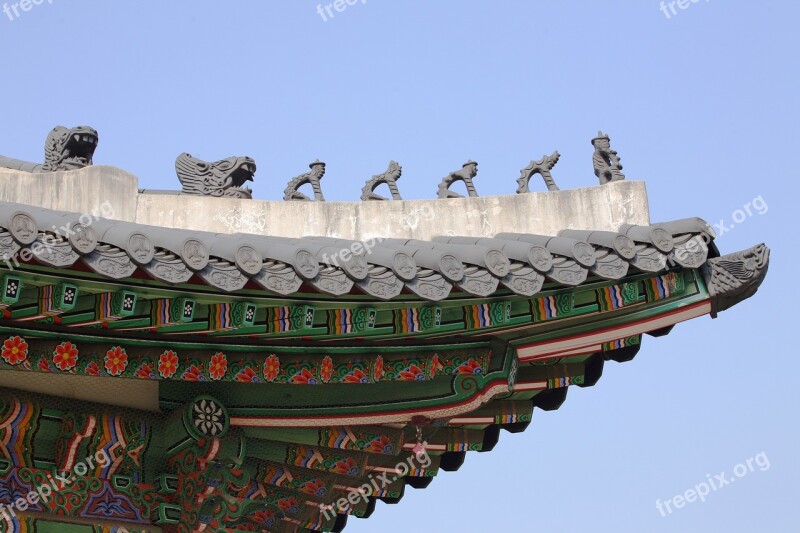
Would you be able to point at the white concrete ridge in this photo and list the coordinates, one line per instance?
(79, 191)
(603, 207)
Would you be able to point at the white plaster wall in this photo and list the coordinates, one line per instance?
(113, 193)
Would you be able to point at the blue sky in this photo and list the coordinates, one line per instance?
(701, 105)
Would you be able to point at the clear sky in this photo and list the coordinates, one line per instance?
(702, 104)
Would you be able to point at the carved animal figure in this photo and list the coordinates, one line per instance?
(64, 149)
(224, 178)
(313, 178)
(541, 167)
(607, 164)
(389, 177)
(734, 277)
(468, 171)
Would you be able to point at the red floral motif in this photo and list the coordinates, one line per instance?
(265, 518)
(116, 361)
(315, 488)
(289, 505)
(304, 377)
(326, 369)
(168, 364)
(15, 350)
(381, 445)
(271, 368)
(218, 366)
(92, 369)
(412, 373)
(347, 467)
(356, 376)
(145, 372)
(193, 373)
(470, 367)
(65, 356)
(43, 365)
(378, 369)
(247, 375)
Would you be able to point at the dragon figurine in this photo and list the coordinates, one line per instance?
(541, 167)
(389, 177)
(64, 149)
(468, 171)
(224, 178)
(735, 277)
(606, 161)
(313, 178)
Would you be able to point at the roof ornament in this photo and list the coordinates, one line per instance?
(541, 167)
(389, 177)
(735, 277)
(312, 178)
(607, 164)
(468, 171)
(223, 178)
(64, 149)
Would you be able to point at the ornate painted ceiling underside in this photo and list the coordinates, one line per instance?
(299, 381)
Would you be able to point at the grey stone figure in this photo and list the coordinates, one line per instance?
(541, 167)
(389, 177)
(735, 277)
(468, 171)
(224, 178)
(313, 178)
(607, 166)
(64, 149)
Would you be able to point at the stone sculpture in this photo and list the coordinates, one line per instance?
(70, 149)
(735, 277)
(389, 177)
(607, 164)
(541, 167)
(313, 178)
(468, 171)
(224, 178)
(64, 149)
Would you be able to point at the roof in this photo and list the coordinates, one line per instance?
(291, 380)
(382, 267)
